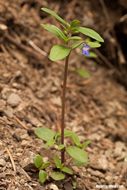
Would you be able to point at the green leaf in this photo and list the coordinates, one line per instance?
(54, 14)
(45, 133)
(91, 33)
(73, 136)
(77, 44)
(57, 176)
(42, 176)
(59, 52)
(77, 154)
(57, 162)
(75, 38)
(68, 133)
(85, 144)
(55, 30)
(75, 23)
(38, 161)
(94, 44)
(92, 55)
(67, 170)
(83, 73)
(61, 146)
(76, 140)
(76, 163)
(50, 143)
(45, 165)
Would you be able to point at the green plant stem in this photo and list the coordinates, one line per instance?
(63, 108)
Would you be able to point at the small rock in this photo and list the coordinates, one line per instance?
(122, 187)
(99, 162)
(13, 100)
(119, 147)
(68, 186)
(8, 112)
(2, 162)
(2, 105)
(5, 93)
(95, 173)
(53, 187)
(109, 178)
(24, 143)
(56, 101)
(103, 163)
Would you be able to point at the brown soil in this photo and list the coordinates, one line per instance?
(30, 90)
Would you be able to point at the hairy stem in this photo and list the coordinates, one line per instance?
(63, 108)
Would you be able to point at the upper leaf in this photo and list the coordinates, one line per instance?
(94, 44)
(75, 38)
(59, 52)
(77, 44)
(45, 133)
(91, 33)
(55, 30)
(54, 14)
(77, 154)
(75, 23)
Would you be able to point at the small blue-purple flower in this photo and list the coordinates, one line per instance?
(85, 50)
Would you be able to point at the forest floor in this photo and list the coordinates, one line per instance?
(30, 91)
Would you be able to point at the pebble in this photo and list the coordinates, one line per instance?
(53, 187)
(2, 162)
(5, 93)
(13, 100)
(68, 186)
(103, 163)
(119, 147)
(2, 105)
(95, 173)
(8, 111)
(56, 101)
(99, 162)
(109, 178)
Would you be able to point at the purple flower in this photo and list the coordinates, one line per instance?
(85, 50)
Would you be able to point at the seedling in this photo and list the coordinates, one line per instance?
(71, 38)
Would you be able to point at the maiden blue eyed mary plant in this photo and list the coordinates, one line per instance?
(72, 36)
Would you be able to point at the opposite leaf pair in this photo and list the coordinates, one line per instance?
(75, 151)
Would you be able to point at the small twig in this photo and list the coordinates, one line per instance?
(34, 46)
(24, 48)
(20, 122)
(37, 54)
(25, 173)
(11, 158)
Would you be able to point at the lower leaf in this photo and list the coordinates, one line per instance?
(42, 176)
(67, 170)
(57, 176)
